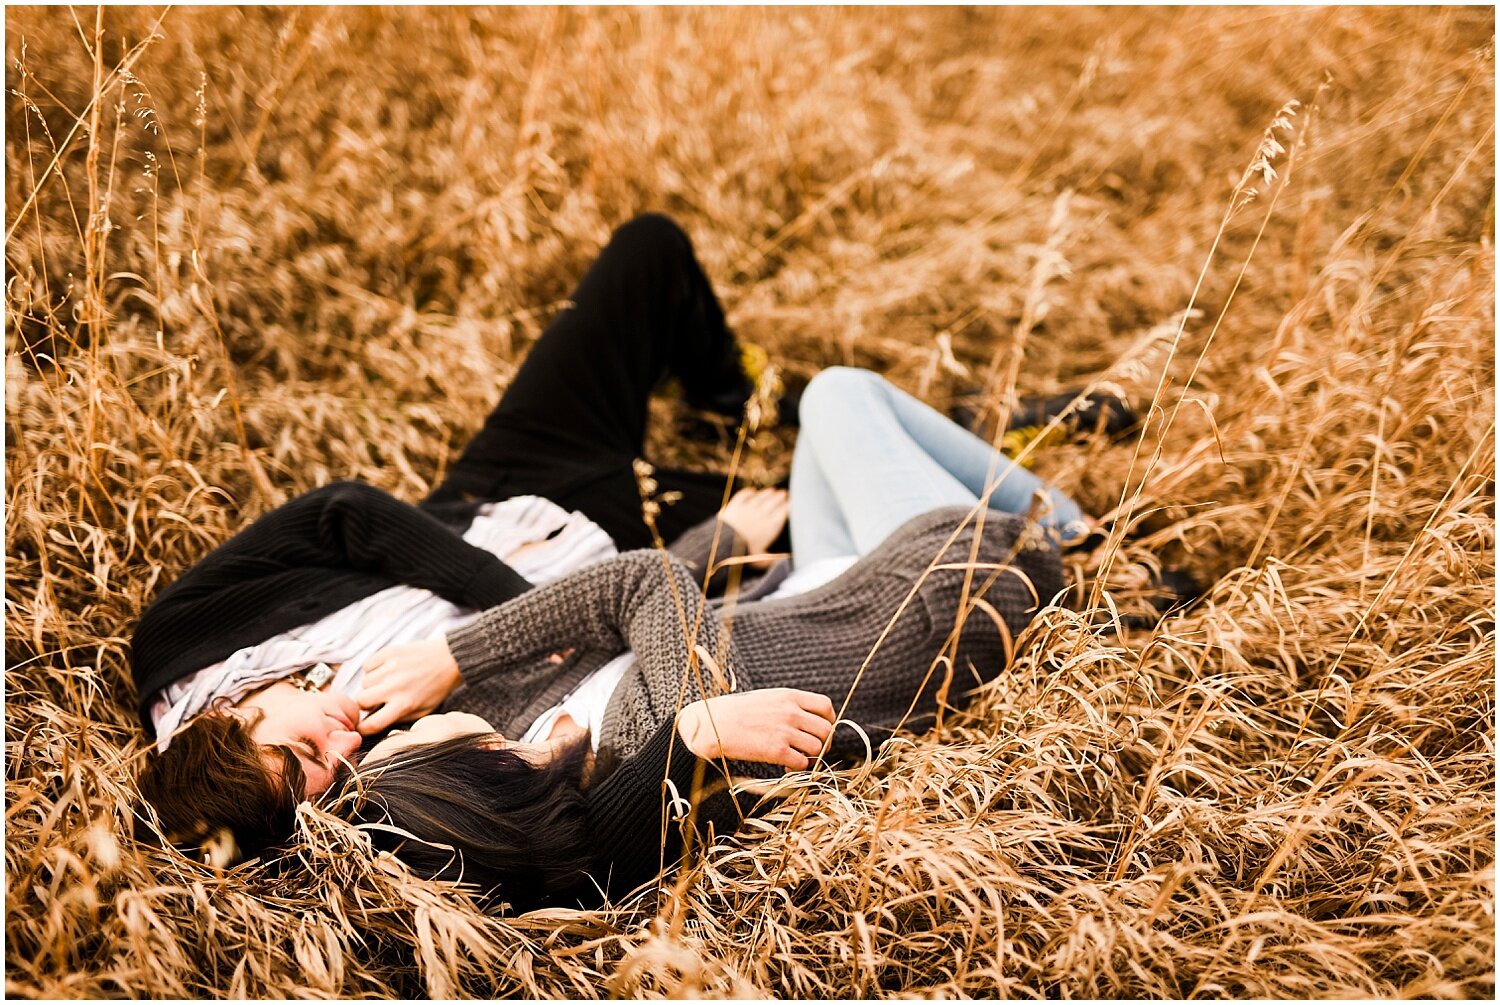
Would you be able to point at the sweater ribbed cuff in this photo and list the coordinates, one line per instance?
(680, 764)
(469, 647)
(664, 756)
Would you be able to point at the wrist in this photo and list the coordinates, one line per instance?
(467, 648)
(450, 670)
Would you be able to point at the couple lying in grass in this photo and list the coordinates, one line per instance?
(517, 688)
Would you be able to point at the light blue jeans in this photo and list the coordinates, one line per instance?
(870, 457)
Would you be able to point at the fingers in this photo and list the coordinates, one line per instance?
(377, 677)
(371, 693)
(811, 701)
(782, 726)
(794, 761)
(814, 725)
(774, 501)
(758, 497)
(758, 506)
(374, 694)
(806, 744)
(377, 722)
(808, 733)
(811, 723)
(770, 505)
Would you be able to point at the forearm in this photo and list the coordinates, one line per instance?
(642, 600)
(363, 528)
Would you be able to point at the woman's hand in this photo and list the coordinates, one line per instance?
(405, 683)
(778, 725)
(757, 515)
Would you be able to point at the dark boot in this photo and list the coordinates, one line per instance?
(1100, 412)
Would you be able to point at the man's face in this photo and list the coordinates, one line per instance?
(320, 726)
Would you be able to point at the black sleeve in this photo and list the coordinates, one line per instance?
(637, 819)
(352, 526)
(369, 529)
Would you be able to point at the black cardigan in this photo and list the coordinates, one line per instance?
(632, 840)
(301, 562)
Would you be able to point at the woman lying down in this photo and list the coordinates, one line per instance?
(895, 564)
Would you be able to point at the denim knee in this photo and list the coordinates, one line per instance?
(831, 389)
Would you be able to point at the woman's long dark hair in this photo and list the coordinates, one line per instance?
(459, 810)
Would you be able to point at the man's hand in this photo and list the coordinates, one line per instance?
(406, 683)
(778, 725)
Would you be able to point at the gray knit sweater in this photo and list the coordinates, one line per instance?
(872, 636)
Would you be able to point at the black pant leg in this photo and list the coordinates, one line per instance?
(575, 414)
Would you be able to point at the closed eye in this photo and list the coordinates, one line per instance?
(308, 749)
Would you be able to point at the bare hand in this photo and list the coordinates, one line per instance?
(405, 683)
(778, 725)
(757, 515)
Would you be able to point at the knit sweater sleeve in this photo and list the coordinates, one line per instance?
(644, 600)
(350, 527)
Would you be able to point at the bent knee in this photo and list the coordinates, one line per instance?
(651, 229)
(830, 389)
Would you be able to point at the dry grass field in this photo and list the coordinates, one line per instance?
(252, 251)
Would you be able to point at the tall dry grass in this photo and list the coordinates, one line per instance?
(250, 251)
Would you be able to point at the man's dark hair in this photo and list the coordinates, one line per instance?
(214, 779)
(460, 810)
